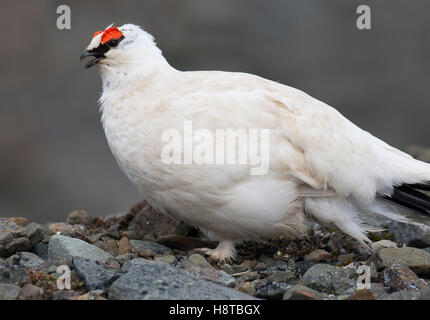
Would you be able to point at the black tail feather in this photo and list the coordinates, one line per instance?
(420, 186)
(409, 197)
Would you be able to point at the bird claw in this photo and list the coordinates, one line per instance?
(222, 254)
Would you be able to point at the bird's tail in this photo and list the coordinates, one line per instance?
(411, 196)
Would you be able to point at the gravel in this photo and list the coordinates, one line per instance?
(142, 255)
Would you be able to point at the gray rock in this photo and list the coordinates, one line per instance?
(381, 244)
(9, 291)
(276, 266)
(140, 245)
(18, 244)
(166, 259)
(207, 272)
(416, 259)
(302, 266)
(328, 279)
(125, 257)
(149, 280)
(232, 269)
(26, 259)
(34, 232)
(299, 292)
(15, 238)
(267, 289)
(41, 249)
(412, 235)
(282, 276)
(113, 231)
(199, 260)
(14, 274)
(61, 246)
(95, 275)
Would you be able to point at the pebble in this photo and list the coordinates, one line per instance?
(30, 292)
(207, 273)
(113, 231)
(400, 277)
(166, 259)
(381, 244)
(26, 259)
(79, 217)
(362, 294)
(317, 256)
(410, 234)
(61, 246)
(95, 275)
(247, 287)
(270, 290)
(9, 291)
(142, 246)
(416, 259)
(299, 292)
(232, 269)
(328, 279)
(41, 250)
(199, 260)
(346, 258)
(124, 246)
(282, 276)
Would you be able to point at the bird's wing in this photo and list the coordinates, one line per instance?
(314, 141)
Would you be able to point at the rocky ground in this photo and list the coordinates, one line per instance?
(143, 255)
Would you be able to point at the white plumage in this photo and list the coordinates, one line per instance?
(321, 165)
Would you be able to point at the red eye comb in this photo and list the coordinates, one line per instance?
(111, 33)
(97, 33)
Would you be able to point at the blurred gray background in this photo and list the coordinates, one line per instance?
(54, 156)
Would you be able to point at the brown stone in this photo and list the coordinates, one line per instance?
(19, 221)
(363, 294)
(300, 292)
(401, 277)
(146, 253)
(247, 287)
(318, 255)
(30, 292)
(124, 246)
(74, 231)
(346, 258)
(79, 217)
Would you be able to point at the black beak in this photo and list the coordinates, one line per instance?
(97, 57)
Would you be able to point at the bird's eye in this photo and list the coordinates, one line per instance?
(113, 42)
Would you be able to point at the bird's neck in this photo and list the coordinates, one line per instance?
(134, 71)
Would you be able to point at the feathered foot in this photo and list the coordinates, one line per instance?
(224, 252)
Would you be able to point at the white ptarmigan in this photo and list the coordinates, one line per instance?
(321, 165)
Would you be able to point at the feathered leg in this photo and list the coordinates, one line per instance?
(224, 252)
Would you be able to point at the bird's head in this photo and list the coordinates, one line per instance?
(117, 46)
